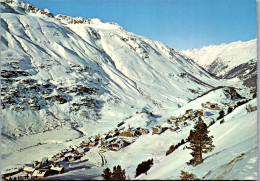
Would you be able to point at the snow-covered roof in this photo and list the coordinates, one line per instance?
(11, 170)
(29, 169)
(80, 150)
(39, 173)
(57, 168)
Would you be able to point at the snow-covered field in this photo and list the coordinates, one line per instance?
(64, 80)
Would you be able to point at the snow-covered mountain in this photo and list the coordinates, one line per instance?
(62, 70)
(66, 80)
(237, 59)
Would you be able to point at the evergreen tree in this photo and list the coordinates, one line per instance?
(200, 142)
(188, 176)
(118, 173)
(221, 114)
(143, 167)
(229, 110)
(107, 174)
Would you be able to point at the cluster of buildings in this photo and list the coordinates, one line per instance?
(35, 170)
(213, 106)
(116, 139)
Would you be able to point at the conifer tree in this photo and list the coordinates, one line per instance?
(118, 173)
(200, 142)
(188, 176)
(107, 174)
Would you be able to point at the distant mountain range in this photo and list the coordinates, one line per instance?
(88, 95)
(237, 59)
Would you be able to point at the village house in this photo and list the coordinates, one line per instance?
(156, 130)
(10, 172)
(118, 145)
(250, 108)
(91, 144)
(84, 144)
(127, 133)
(79, 151)
(97, 137)
(143, 131)
(41, 173)
(44, 161)
(29, 170)
(232, 105)
(57, 169)
(182, 118)
(199, 113)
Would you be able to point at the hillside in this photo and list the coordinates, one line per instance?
(82, 95)
(60, 71)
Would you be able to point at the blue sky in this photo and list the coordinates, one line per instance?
(181, 24)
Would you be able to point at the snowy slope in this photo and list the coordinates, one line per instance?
(65, 79)
(234, 155)
(222, 59)
(62, 71)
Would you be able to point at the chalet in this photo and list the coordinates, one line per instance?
(91, 144)
(29, 170)
(118, 145)
(199, 113)
(181, 119)
(102, 137)
(115, 147)
(232, 105)
(64, 151)
(77, 156)
(173, 118)
(57, 169)
(250, 108)
(127, 133)
(80, 151)
(68, 156)
(38, 174)
(156, 130)
(44, 160)
(143, 131)
(208, 104)
(91, 139)
(84, 144)
(171, 128)
(97, 137)
(189, 111)
(10, 172)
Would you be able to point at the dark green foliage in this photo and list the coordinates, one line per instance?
(117, 174)
(107, 174)
(188, 176)
(221, 114)
(171, 149)
(200, 142)
(230, 109)
(143, 167)
(241, 103)
(211, 123)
